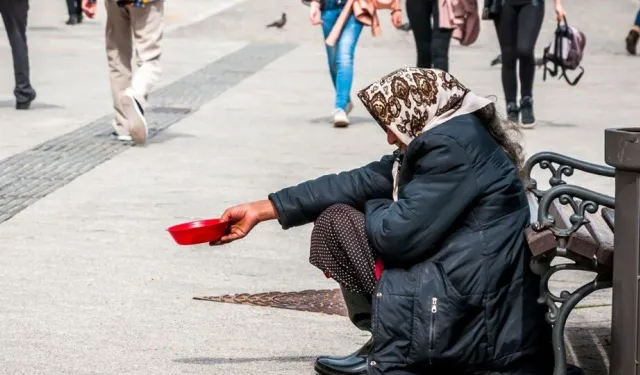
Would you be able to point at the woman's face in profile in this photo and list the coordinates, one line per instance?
(392, 139)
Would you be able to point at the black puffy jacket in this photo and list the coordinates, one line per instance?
(457, 296)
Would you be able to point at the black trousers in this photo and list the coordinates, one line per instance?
(14, 16)
(518, 27)
(74, 7)
(432, 42)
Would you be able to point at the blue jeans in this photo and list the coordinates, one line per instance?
(637, 23)
(341, 55)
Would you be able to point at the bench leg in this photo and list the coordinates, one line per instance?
(558, 315)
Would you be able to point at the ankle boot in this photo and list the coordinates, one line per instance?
(526, 112)
(353, 364)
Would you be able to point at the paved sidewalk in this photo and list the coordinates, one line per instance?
(91, 283)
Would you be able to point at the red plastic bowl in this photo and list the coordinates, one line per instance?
(200, 231)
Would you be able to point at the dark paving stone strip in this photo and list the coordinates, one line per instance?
(30, 175)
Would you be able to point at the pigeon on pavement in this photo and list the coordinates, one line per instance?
(279, 23)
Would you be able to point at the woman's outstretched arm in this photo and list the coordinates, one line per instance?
(302, 204)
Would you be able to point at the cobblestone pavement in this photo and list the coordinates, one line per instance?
(92, 284)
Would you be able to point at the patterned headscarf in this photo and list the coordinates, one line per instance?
(411, 101)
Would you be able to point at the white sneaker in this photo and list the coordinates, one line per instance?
(340, 119)
(135, 117)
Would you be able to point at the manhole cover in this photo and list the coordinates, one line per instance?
(326, 301)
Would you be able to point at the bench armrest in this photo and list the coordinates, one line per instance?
(565, 167)
(588, 202)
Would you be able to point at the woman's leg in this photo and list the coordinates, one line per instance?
(529, 24)
(440, 42)
(345, 51)
(340, 249)
(507, 30)
(329, 18)
(419, 13)
(530, 20)
(71, 7)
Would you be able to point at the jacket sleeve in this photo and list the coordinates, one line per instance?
(302, 204)
(443, 187)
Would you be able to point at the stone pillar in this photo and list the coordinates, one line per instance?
(622, 151)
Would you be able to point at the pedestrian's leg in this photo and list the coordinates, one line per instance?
(441, 39)
(419, 13)
(329, 18)
(14, 16)
(529, 24)
(79, 10)
(71, 7)
(148, 27)
(119, 52)
(507, 30)
(345, 53)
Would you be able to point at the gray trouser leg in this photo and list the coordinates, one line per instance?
(14, 16)
(359, 308)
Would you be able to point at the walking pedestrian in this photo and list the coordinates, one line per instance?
(74, 8)
(14, 15)
(518, 24)
(132, 25)
(634, 35)
(341, 56)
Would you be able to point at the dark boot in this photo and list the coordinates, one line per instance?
(632, 41)
(513, 112)
(26, 104)
(526, 113)
(73, 19)
(359, 308)
(353, 364)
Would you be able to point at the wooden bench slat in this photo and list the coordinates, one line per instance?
(593, 240)
(601, 232)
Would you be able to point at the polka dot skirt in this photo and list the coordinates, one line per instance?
(340, 248)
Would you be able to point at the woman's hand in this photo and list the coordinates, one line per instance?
(560, 13)
(396, 18)
(314, 13)
(89, 8)
(244, 217)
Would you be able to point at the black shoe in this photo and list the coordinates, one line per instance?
(513, 112)
(72, 20)
(353, 364)
(26, 104)
(632, 41)
(526, 113)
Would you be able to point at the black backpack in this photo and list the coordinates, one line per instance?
(565, 53)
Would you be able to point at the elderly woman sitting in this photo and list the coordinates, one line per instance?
(444, 217)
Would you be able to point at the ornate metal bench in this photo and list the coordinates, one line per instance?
(567, 222)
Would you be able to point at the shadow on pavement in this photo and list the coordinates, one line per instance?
(34, 105)
(591, 346)
(227, 361)
(354, 120)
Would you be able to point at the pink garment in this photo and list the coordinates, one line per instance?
(461, 16)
